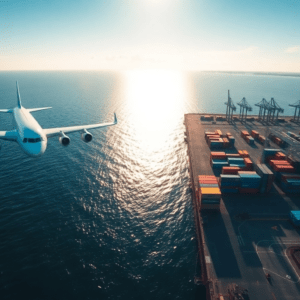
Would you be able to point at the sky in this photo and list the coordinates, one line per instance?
(217, 35)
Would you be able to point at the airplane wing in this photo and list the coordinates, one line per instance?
(6, 110)
(36, 109)
(50, 132)
(9, 135)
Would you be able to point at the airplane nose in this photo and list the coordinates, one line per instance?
(38, 149)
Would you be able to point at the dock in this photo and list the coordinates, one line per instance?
(250, 235)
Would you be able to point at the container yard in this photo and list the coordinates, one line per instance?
(245, 178)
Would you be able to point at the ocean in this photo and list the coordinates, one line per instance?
(110, 219)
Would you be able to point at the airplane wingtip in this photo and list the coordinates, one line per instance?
(115, 120)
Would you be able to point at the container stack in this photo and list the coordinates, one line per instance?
(236, 162)
(246, 136)
(254, 134)
(249, 182)
(290, 183)
(248, 163)
(243, 153)
(218, 160)
(231, 170)
(213, 139)
(230, 138)
(267, 177)
(249, 140)
(278, 141)
(209, 192)
(279, 164)
(269, 154)
(226, 143)
(295, 217)
(244, 133)
(261, 139)
(229, 184)
(216, 139)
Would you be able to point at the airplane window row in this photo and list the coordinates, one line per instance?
(25, 140)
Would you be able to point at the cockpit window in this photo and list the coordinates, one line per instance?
(25, 140)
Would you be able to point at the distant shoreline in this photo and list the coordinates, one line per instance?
(257, 73)
(200, 71)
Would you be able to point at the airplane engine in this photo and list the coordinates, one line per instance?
(86, 136)
(64, 140)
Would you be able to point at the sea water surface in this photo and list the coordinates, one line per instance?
(110, 219)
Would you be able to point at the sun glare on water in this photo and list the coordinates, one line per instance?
(155, 99)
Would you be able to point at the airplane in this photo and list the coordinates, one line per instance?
(33, 138)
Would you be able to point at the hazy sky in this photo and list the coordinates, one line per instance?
(256, 35)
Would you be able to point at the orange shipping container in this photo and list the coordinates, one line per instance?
(279, 162)
(246, 154)
(248, 161)
(230, 170)
(218, 154)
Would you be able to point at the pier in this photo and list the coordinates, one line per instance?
(250, 235)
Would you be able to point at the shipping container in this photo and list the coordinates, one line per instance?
(230, 170)
(218, 155)
(254, 134)
(231, 140)
(219, 165)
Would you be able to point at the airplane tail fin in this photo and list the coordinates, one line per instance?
(18, 96)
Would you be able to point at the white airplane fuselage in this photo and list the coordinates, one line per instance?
(31, 137)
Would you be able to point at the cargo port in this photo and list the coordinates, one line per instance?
(245, 178)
